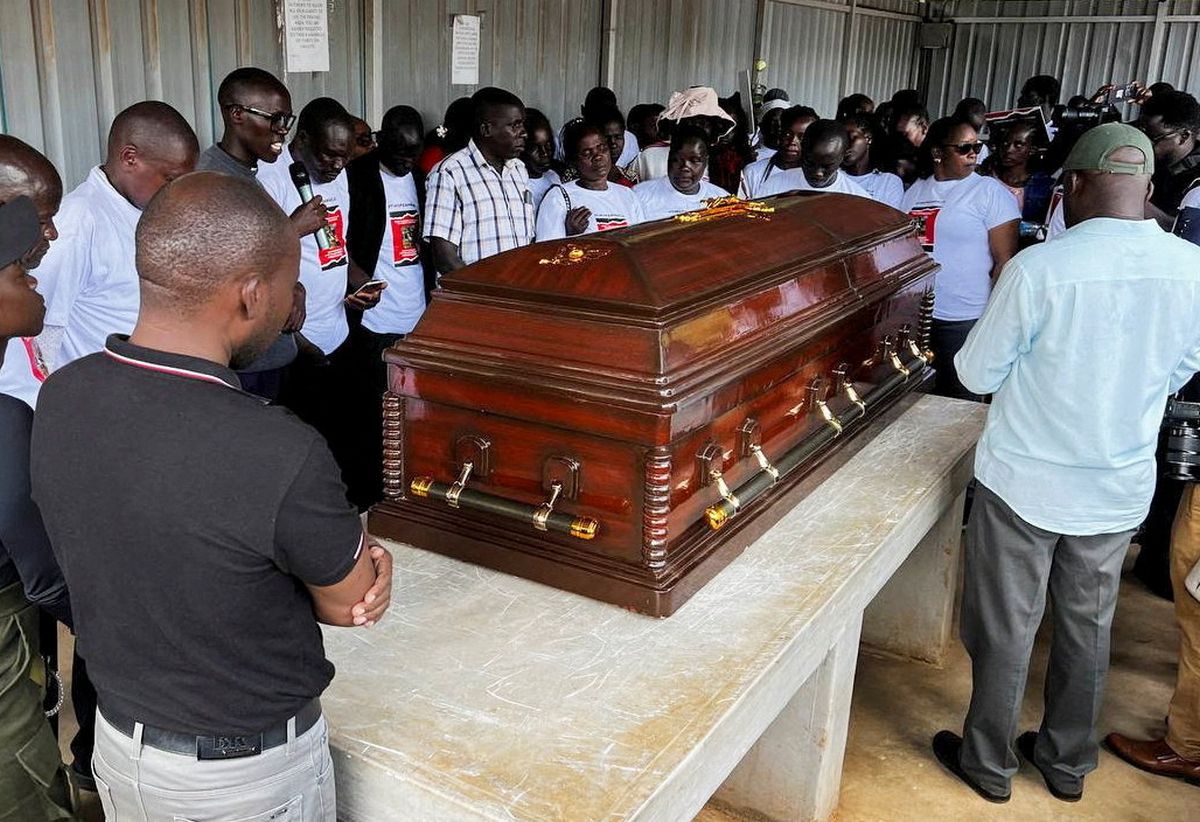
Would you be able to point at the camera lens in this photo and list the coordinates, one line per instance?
(1183, 453)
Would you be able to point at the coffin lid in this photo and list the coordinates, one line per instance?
(656, 270)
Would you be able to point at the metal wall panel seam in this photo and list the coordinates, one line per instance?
(102, 49)
(151, 49)
(52, 124)
(202, 74)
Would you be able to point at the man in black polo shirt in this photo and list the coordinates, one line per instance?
(202, 533)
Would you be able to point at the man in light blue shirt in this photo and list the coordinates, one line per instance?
(1081, 343)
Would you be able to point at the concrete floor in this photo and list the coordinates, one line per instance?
(891, 776)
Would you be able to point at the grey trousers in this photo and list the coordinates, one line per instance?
(289, 783)
(1010, 566)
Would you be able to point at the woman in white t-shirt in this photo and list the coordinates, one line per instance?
(969, 223)
(683, 189)
(590, 203)
(860, 166)
(538, 155)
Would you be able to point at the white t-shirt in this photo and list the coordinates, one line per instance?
(764, 153)
(660, 199)
(88, 276)
(1191, 199)
(399, 265)
(323, 273)
(538, 186)
(652, 162)
(761, 179)
(23, 370)
(1058, 220)
(615, 207)
(883, 186)
(955, 217)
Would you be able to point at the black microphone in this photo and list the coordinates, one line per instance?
(300, 179)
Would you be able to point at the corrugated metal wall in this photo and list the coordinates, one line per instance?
(66, 68)
(546, 51)
(802, 47)
(668, 45)
(820, 53)
(991, 60)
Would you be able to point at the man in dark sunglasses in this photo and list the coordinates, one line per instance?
(1172, 122)
(256, 109)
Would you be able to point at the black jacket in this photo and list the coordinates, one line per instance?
(368, 214)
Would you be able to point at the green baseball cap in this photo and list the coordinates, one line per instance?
(1094, 150)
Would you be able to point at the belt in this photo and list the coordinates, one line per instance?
(215, 746)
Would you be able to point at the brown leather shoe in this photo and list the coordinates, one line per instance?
(1154, 756)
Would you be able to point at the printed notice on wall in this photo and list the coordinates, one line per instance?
(306, 35)
(464, 53)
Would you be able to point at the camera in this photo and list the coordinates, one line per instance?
(1088, 115)
(1181, 424)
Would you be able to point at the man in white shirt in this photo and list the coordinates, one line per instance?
(478, 201)
(25, 171)
(385, 234)
(88, 278)
(822, 151)
(1081, 343)
(318, 391)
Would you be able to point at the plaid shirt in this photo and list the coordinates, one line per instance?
(483, 212)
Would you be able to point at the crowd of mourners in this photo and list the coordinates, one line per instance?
(204, 354)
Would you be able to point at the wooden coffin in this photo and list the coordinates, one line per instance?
(620, 414)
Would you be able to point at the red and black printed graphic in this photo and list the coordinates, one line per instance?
(37, 363)
(926, 225)
(404, 236)
(611, 222)
(335, 255)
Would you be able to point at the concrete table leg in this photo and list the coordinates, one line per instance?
(913, 615)
(794, 770)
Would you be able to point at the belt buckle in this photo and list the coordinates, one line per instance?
(228, 747)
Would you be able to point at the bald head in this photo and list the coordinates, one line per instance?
(1091, 194)
(25, 171)
(205, 231)
(156, 129)
(149, 145)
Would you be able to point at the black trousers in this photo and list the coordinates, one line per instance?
(370, 383)
(946, 340)
(83, 698)
(322, 394)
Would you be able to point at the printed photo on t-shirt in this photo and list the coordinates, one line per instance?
(610, 222)
(335, 255)
(405, 225)
(926, 225)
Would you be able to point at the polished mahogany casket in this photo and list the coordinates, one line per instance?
(620, 414)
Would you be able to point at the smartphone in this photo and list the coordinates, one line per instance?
(1122, 93)
(370, 287)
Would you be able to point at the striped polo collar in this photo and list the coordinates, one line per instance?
(119, 348)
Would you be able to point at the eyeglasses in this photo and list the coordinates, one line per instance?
(282, 120)
(1163, 136)
(964, 149)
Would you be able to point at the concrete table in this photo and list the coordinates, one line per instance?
(487, 697)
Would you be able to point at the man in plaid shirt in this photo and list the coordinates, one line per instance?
(478, 201)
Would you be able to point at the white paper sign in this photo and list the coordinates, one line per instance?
(306, 35)
(464, 52)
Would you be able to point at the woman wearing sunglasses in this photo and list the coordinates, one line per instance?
(968, 222)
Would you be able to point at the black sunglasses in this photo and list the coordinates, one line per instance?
(964, 148)
(282, 120)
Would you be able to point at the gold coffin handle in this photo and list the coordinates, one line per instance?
(542, 517)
